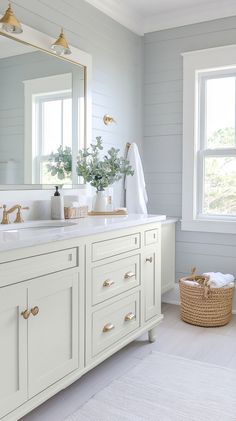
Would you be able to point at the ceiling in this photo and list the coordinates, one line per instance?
(142, 16)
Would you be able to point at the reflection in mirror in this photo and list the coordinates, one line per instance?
(41, 116)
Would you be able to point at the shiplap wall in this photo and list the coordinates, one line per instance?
(162, 146)
(117, 63)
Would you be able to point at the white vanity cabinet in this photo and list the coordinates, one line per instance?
(13, 348)
(66, 306)
(39, 324)
(39, 335)
(168, 255)
(53, 331)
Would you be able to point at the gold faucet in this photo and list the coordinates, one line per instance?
(5, 215)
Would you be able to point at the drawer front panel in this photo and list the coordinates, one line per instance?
(36, 266)
(114, 278)
(108, 248)
(112, 323)
(152, 236)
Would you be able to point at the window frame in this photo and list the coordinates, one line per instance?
(39, 139)
(203, 149)
(198, 64)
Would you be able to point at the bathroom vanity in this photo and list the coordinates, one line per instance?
(69, 298)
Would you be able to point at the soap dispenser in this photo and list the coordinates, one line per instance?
(57, 205)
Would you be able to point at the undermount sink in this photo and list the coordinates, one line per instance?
(37, 226)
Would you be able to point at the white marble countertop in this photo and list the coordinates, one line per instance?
(170, 220)
(27, 234)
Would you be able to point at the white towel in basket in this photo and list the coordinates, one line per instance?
(218, 279)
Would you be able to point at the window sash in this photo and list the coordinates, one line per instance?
(40, 100)
(202, 148)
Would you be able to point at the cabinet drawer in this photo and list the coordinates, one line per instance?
(36, 266)
(109, 248)
(151, 236)
(112, 323)
(114, 278)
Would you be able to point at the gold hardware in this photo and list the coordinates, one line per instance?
(130, 316)
(5, 216)
(149, 259)
(61, 46)
(129, 275)
(10, 23)
(35, 311)
(19, 218)
(108, 283)
(108, 327)
(107, 119)
(25, 314)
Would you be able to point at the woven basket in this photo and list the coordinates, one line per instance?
(205, 306)
(73, 213)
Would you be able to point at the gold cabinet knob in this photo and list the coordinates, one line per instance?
(108, 327)
(149, 259)
(130, 316)
(25, 314)
(108, 283)
(129, 275)
(34, 311)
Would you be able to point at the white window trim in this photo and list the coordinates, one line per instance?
(194, 62)
(32, 88)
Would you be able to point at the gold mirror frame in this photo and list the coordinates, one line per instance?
(43, 42)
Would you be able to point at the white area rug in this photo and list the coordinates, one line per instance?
(165, 387)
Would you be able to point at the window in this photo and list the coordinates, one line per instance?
(54, 128)
(209, 144)
(54, 123)
(217, 147)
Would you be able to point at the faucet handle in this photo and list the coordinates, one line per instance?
(19, 218)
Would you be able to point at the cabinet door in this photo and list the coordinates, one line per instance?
(52, 329)
(13, 348)
(152, 283)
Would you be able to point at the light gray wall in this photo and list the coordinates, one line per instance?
(117, 62)
(163, 138)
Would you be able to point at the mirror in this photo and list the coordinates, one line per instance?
(42, 116)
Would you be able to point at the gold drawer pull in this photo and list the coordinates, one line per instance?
(149, 259)
(108, 327)
(108, 283)
(34, 311)
(130, 316)
(25, 314)
(129, 275)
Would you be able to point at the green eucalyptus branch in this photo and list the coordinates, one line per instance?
(60, 162)
(101, 173)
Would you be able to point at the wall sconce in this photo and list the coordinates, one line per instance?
(10, 23)
(61, 46)
(107, 119)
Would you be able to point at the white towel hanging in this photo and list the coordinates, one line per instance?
(136, 195)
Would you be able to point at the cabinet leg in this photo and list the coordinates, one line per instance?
(152, 335)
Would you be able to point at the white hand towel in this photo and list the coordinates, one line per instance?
(218, 279)
(136, 195)
(192, 283)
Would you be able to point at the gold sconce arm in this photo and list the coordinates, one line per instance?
(107, 119)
